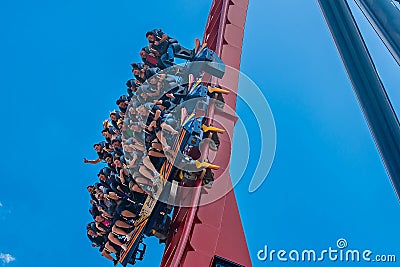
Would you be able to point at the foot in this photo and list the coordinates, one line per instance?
(128, 238)
(208, 184)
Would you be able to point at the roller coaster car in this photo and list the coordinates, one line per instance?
(201, 59)
(194, 133)
(199, 90)
(161, 227)
(210, 63)
(153, 219)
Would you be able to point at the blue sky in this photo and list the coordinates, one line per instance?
(64, 63)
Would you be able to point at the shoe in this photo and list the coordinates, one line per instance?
(128, 238)
(208, 184)
(213, 146)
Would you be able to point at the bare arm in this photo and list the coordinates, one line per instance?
(92, 161)
(156, 93)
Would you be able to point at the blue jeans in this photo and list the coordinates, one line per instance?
(168, 58)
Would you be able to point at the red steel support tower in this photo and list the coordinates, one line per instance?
(201, 233)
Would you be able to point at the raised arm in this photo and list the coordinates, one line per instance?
(98, 160)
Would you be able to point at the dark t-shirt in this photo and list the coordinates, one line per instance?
(161, 47)
(158, 33)
(99, 240)
(102, 153)
(94, 211)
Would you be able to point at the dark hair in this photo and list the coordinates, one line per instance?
(149, 33)
(105, 171)
(98, 144)
(115, 140)
(135, 66)
(131, 83)
(108, 155)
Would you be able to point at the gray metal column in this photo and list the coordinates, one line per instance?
(385, 19)
(367, 85)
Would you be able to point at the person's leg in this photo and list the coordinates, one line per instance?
(123, 189)
(128, 214)
(144, 181)
(113, 196)
(137, 189)
(122, 224)
(119, 231)
(145, 172)
(107, 214)
(171, 53)
(107, 255)
(171, 154)
(168, 128)
(156, 154)
(113, 239)
(156, 145)
(166, 61)
(163, 141)
(148, 164)
(115, 187)
(110, 248)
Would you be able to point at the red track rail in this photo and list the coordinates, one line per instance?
(202, 232)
